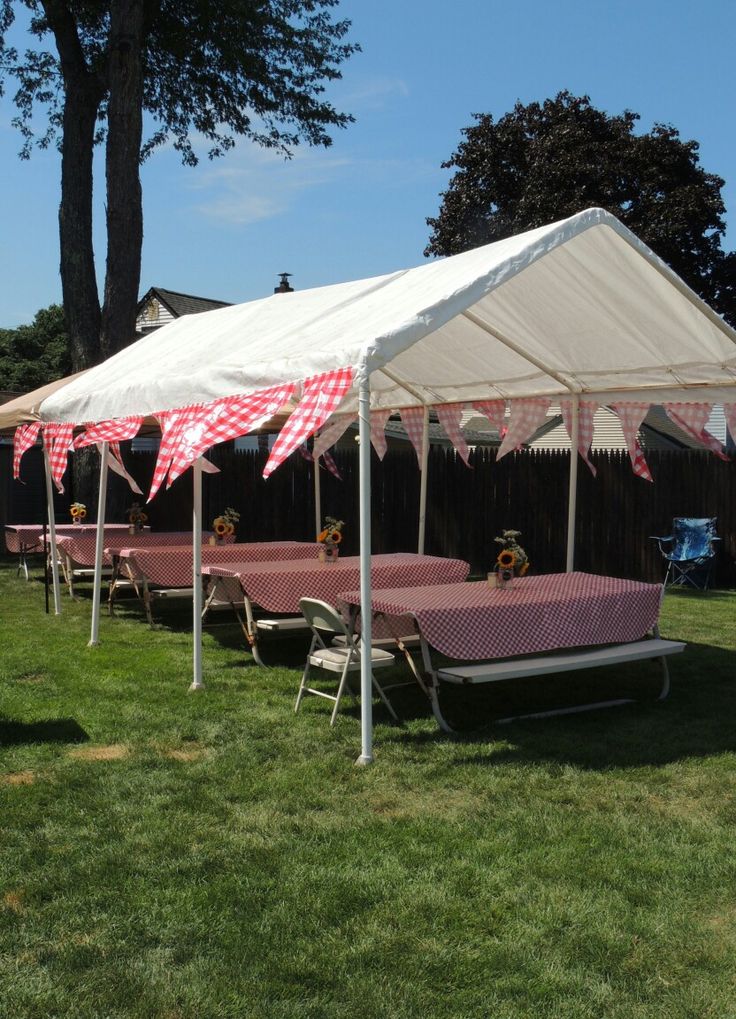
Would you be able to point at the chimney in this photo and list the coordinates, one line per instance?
(283, 287)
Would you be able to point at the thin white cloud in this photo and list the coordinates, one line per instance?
(374, 94)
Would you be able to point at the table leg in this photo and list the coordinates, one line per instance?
(251, 632)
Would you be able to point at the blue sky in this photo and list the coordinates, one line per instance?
(227, 228)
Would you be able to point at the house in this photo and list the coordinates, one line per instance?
(158, 307)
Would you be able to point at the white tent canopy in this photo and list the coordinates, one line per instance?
(579, 306)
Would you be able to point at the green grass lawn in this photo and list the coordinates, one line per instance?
(178, 855)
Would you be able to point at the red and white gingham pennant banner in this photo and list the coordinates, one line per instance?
(227, 418)
(729, 410)
(115, 463)
(586, 413)
(692, 419)
(109, 431)
(171, 422)
(378, 431)
(631, 416)
(412, 418)
(526, 416)
(58, 439)
(449, 415)
(495, 412)
(321, 395)
(330, 464)
(335, 427)
(23, 439)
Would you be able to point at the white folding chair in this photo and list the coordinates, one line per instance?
(323, 619)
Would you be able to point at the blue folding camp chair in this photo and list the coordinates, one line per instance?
(690, 551)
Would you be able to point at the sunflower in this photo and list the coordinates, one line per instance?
(524, 569)
(220, 528)
(335, 537)
(322, 536)
(506, 559)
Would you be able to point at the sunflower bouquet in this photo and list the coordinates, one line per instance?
(330, 537)
(136, 517)
(78, 512)
(224, 525)
(512, 560)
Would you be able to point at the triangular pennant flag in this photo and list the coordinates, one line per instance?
(692, 419)
(23, 438)
(322, 394)
(332, 431)
(58, 439)
(449, 416)
(586, 414)
(495, 413)
(412, 418)
(172, 422)
(331, 465)
(729, 410)
(224, 419)
(116, 465)
(378, 431)
(526, 416)
(631, 416)
(116, 430)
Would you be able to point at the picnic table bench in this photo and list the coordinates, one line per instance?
(277, 587)
(165, 571)
(540, 625)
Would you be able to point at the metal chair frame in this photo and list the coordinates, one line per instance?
(694, 570)
(324, 619)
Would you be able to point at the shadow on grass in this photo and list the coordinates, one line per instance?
(53, 730)
(696, 720)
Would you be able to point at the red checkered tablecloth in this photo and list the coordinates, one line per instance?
(81, 547)
(557, 610)
(278, 586)
(172, 566)
(29, 537)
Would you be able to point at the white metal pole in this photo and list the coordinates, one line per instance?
(573, 484)
(52, 530)
(94, 639)
(197, 683)
(364, 468)
(423, 483)
(317, 497)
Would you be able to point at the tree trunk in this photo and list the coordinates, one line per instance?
(83, 92)
(124, 195)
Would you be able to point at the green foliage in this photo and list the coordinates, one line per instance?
(32, 355)
(217, 71)
(550, 160)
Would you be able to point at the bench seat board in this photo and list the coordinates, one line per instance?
(569, 661)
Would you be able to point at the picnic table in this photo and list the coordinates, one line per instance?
(25, 539)
(157, 570)
(77, 550)
(535, 616)
(278, 586)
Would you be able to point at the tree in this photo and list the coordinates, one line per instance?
(547, 161)
(253, 69)
(32, 355)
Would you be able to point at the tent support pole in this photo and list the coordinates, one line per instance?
(573, 484)
(423, 482)
(94, 639)
(197, 683)
(317, 497)
(364, 465)
(52, 530)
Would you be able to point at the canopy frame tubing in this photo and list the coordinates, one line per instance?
(52, 530)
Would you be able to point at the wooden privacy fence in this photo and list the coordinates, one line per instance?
(466, 507)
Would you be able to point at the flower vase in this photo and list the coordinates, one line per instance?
(504, 579)
(331, 553)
